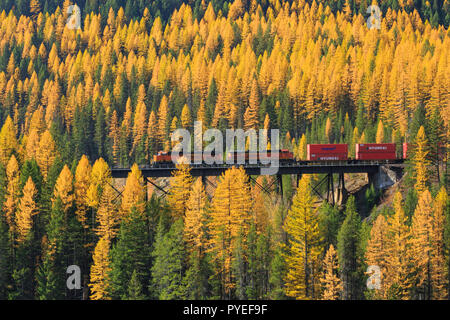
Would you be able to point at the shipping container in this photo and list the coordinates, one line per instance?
(375, 147)
(327, 157)
(376, 156)
(327, 148)
(327, 152)
(405, 150)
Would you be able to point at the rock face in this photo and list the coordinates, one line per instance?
(384, 179)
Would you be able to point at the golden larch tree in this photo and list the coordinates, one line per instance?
(140, 124)
(180, 185)
(376, 251)
(46, 153)
(64, 189)
(196, 218)
(81, 186)
(25, 211)
(100, 177)
(396, 279)
(304, 244)
(186, 118)
(251, 115)
(328, 125)
(12, 192)
(99, 276)
(439, 272)
(421, 236)
(380, 132)
(134, 194)
(107, 215)
(301, 153)
(8, 141)
(32, 144)
(230, 214)
(331, 283)
(421, 161)
(163, 113)
(114, 135)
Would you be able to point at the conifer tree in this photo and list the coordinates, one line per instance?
(180, 185)
(99, 275)
(331, 283)
(81, 185)
(380, 132)
(46, 153)
(64, 189)
(421, 235)
(135, 288)
(439, 273)
(196, 218)
(304, 248)
(107, 217)
(420, 161)
(134, 194)
(26, 209)
(100, 178)
(168, 255)
(302, 148)
(230, 213)
(186, 117)
(130, 256)
(396, 280)
(50, 274)
(349, 252)
(12, 192)
(5, 260)
(8, 141)
(376, 252)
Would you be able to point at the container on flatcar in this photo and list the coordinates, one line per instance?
(376, 156)
(327, 152)
(375, 151)
(405, 150)
(375, 147)
(283, 155)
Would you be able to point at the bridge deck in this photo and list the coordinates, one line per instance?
(302, 167)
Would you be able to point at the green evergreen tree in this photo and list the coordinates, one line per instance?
(349, 252)
(330, 219)
(135, 288)
(130, 254)
(51, 272)
(168, 267)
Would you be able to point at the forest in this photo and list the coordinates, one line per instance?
(76, 103)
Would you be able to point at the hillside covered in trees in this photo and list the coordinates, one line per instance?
(75, 103)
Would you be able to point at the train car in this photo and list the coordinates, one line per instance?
(249, 157)
(162, 157)
(254, 157)
(166, 157)
(405, 150)
(327, 152)
(375, 151)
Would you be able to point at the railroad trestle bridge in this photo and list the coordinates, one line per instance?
(381, 173)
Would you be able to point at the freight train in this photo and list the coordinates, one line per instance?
(314, 153)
